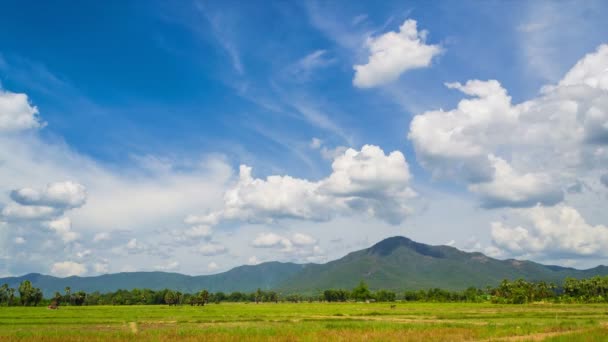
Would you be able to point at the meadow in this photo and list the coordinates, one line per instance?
(309, 322)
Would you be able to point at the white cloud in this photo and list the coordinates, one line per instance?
(300, 239)
(61, 195)
(212, 266)
(508, 188)
(101, 268)
(365, 181)
(171, 266)
(83, 254)
(269, 240)
(19, 240)
(315, 143)
(212, 249)
(15, 212)
(253, 260)
(16, 113)
(101, 237)
(132, 244)
(551, 231)
(392, 54)
(299, 246)
(68, 268)
(520, 154)
(63, 228)
(200, 231)
(304, 67)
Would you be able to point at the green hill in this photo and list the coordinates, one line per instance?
(399, 263)
(396, 263)
(243, 278)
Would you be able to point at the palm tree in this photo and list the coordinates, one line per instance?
(203, 297)
(258, 295)
(11, 295)
(3, 293)
(68, 290)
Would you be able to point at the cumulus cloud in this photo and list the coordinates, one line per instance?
(16, 212)
(394, 53)
(47, 206)
(299, 246)
(551, 231)
(16, 113)
(101, 267)
(103, 236)
(171, 266)
(68, 268)
(212, 249)
(83, 254)
(136, 198)
(60, 195)
(511, 189)
(269, 240)
(253, 260)
(212, 266)
(300, 239)
(200, 231)
(63, 228)
(366, 181)
(516, 155)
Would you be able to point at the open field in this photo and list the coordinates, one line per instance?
(309, 322)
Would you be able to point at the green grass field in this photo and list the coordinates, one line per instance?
(309, 322)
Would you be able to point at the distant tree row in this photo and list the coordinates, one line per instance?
(28, 295)
(359, 293)
(592, 290)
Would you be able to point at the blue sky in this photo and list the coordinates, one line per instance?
(147, 109)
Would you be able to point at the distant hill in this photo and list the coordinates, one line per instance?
(396, 263)
(399, 263)
(266, 276)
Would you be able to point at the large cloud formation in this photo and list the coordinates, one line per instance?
(518, 155)
(16, 113)
(392, 54)
(40, 205)
(558, 231)
(366, 181)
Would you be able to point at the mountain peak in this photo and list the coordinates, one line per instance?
(388, 245)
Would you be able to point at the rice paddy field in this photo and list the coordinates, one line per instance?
(309, 322)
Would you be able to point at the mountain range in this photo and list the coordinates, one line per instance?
(396, 263)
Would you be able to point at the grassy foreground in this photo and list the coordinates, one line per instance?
(309, 322)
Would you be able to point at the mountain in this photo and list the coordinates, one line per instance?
(243, 278)
(396, 263)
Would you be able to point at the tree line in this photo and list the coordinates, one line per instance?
(591, 290)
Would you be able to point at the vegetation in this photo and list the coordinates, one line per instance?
(591, 290)
(336, 314)
(393, 264)
(351, 321)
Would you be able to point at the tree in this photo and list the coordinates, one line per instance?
(26, 292)
(11, 296)
(258, 295)
(79, 298)
(170, 297)
(4, 293)
(361, 292)
(68, 291)
(385, 296)
(36, 296)
(203, 297)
